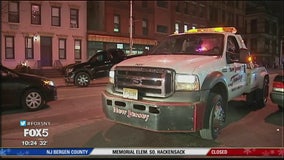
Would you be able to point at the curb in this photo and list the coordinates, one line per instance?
(71, 85)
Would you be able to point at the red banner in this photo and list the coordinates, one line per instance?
(266, 152)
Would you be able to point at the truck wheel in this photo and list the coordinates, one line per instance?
(280, 108)
(262, 94)
(250, 98)
(32, 100)
(82, 79)
(217, 117)
(258, 97)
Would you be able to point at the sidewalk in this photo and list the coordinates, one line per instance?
(60, 82)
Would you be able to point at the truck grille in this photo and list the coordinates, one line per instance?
(150, 82)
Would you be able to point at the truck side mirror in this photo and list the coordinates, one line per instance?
(244, 55)
(232, 57)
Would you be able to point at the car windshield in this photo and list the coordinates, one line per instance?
(199, 44)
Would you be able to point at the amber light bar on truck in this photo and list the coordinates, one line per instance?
(215, 29)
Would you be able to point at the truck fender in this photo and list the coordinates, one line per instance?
(214, 82)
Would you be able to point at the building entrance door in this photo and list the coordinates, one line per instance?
(46, 51)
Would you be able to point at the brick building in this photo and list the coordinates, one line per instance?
(46, 34)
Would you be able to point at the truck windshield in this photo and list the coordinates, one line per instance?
(197, 44)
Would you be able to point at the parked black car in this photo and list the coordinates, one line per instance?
(98, 65)
(277, 93)
(25, 90)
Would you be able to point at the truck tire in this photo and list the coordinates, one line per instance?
(32, 100)
(258, 97)
(280, 108)
(82, 79)
(217, 117)
(262, 94)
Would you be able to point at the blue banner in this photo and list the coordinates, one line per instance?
(45, 151)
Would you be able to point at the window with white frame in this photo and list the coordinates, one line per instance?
(185, 27)
(116, 23)
(62, 48)
(176, 27)
(36, 14)
(29, 48)
(9, 47)
(13, 12)
(55, 16)
(77, 48)
(74, 18)
(145, 27)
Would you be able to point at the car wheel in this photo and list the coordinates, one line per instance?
(82, 79)
(217, 117)
(32, 100)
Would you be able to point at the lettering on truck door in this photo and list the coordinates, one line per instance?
(236, 72)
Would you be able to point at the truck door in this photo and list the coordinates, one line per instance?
(236, 71)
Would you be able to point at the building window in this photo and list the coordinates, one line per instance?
(144, 4)
(36, 14)
(177, 27)
(62, 48)
(193, 9)
(163, 4)
(178, 7)
(29, 47)
(253, 44)
(185, 27)
(9, 47)
(162, 29)
(77, 49)
(186, 8)
(74, 18)
(274, 28)
(55, 16)
(116, 23)
(145, 27)
(213, 13)
(202, 11)
(13, 13)
(253, 26)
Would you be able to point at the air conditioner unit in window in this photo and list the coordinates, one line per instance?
(73, 25)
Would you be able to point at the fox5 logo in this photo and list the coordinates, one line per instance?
(35, 132)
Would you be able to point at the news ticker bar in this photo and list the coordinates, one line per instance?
(266, 152)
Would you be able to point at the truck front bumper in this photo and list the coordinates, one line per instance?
(154, 115)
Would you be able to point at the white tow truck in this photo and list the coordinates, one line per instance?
(185, 83)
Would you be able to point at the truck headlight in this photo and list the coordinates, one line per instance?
(187, 82)
(111, 76)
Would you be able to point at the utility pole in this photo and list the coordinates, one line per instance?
(281, 57)
(130, 29)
